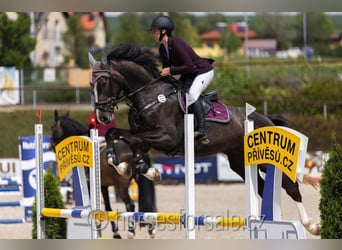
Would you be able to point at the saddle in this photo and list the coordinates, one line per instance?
(214, 110)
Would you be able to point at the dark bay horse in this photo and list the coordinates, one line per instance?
(156, 118)
(64, 127)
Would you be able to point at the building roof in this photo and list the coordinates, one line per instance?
(336, 36)
(215, 35)
(263, 44)
(88, 20)
(239, 30)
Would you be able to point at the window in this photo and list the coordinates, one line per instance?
(57, 31)
(46, 31)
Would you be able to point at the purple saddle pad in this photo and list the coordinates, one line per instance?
(218, 111)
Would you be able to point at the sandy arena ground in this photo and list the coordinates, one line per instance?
(211, 200)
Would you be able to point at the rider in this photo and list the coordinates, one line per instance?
(178, 58)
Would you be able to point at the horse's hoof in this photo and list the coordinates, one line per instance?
(123, 168)
(314, 228)
(117, 236)
(130, 235)
(153, 174)
(152, 233)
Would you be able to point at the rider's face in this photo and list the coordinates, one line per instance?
(155, 34)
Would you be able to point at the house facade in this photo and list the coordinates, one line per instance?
(210, 40)
(49, 27)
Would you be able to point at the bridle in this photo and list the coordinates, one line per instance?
(112, 102)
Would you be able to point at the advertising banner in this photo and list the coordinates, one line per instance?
(210, 168)
(9, 86)
(28, 166)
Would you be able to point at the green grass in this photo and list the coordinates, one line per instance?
(21, 123)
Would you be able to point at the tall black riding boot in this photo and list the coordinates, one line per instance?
(201, 133)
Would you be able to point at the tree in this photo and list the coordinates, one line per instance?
(76, 42)
(229, 40)
(207, 22)
(16, 44)
(318, 30)
(55, 228)
(274, 26)
(184, 29)
(331, 193)
(129, 30)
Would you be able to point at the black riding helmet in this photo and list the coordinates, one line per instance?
(162, 22)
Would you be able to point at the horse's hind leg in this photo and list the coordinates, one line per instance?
(105, 195)
(292, 189)
(123, 190)
(147, 200)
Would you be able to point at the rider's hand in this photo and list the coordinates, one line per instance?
(165, 72)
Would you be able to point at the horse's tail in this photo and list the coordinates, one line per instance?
(279, 120)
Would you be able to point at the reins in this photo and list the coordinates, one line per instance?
(143, 87)
(113, 101)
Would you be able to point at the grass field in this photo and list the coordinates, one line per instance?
(20, 122)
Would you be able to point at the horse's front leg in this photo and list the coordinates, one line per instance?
(113, 138)
(142, 142)
(140, 145)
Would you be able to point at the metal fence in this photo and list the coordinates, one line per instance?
(43, 86)
(66, 95)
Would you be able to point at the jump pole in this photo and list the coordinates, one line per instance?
(251, 174)
(148, 217)
(189, 173)
(95, 182)
(38, 132)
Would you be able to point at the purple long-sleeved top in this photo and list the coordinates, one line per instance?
(182, 59)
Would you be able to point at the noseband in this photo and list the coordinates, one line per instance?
(112, 102)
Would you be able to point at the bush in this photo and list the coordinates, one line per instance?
(331, 194)
(55, 228)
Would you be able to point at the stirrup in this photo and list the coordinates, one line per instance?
(202, 136)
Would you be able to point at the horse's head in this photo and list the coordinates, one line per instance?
(106, 87)
(127, 69)
(57, 134)
(64, 127)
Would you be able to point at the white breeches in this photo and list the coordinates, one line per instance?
(200, 83)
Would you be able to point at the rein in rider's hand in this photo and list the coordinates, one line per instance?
(165, 71)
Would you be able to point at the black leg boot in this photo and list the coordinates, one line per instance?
(201, 133)
(111, 155)
(141, 165)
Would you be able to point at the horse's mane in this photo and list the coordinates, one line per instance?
(135, 54)
(72, 127)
